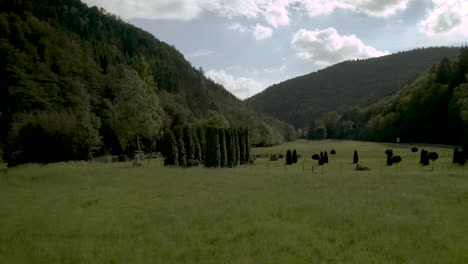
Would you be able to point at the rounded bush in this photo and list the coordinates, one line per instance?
(389, 152)
(333, 152)
(316, 157)
(414, 149)
(433, 156)
(396, 159)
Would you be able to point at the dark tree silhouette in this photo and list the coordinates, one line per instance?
(424, 160)
(414, 149)
(396, 159)
(288, 157)
(294, 156)
(333, 152)
(325, 157)
(355, 157)
(316, 157)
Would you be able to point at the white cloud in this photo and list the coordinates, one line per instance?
(238, 27)
(378, 8)
(160, 9)
(276, 13)
(446, 18)
(241, 87)
(179, 9)
(261, 32)
(325, 47)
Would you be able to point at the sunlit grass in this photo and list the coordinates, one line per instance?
(265, 213)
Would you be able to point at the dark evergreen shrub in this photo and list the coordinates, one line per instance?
(236, 147)
(424, 160)
(247, 145)
(389, 152)
(433, 156)
(213, 153)
(230, 151)
(169, 148)
(294, 157)
(222, 148)
(288, 157)
(355, 157)
(188, 143)
(320, 162)
(396, 159)
(178, 134)
(456, 156)
(242, 146)
(316, 157)
(389, 160)
(414, 149)
(325, 157)
(321, 155)
(333, 152)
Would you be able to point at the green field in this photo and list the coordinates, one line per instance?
(82, 212)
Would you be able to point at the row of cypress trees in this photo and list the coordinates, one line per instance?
(188, 146)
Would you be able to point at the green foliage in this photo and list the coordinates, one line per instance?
(248, 147)
(223, 148)
(182, 153)
(237, 152)
(135, 107)
(426, 110)
(242, 146)
(169, 148)
(119, 84)
(294, 157)
(213, 153)
(189, 144)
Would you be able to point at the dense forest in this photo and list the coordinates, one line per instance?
(344, 86)
(79, 82)
(431, 109)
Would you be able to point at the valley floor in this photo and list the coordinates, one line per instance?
(82, 212)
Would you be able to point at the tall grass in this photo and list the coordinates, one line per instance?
(265, 213)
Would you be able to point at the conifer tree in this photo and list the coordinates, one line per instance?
(229, 148)
(200, 131)
(178, 134)
(355, 157)
(325, 157)
(222, 148)
(188, 143)
(213, 153)
(247, 145)
(242, 146)
(237, 147)
(294, 157)
(288, 157)
(169, 148)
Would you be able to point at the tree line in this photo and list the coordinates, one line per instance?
(187, 146)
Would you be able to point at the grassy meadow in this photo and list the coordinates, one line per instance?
(81, 212)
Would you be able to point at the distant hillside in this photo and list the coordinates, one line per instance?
(84, 82)
(345, 85)
(432, 109)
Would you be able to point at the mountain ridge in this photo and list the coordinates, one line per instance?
(305, 98)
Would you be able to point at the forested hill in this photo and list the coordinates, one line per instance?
(78, 81)
(432, 109)
(301, 100)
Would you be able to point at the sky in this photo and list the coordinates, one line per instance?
(248, 45)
